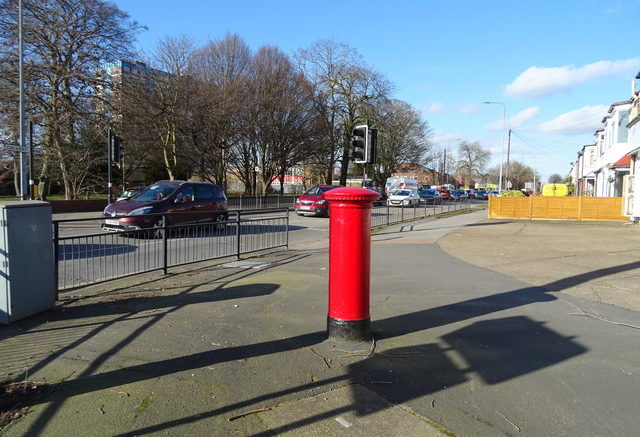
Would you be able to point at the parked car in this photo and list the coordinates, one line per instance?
(403, 198)
(492, 193)
(431, 197)
(446, 194)
(313, 202)
(181, 201)
(130, 192)
(459, 194)
(481, 195)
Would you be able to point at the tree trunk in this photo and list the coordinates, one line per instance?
(344, 167)
(45, 180)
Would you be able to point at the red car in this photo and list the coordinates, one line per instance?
(446, 195)
(313, 202)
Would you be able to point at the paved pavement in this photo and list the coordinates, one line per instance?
(502, 335)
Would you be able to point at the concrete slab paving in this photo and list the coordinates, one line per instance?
(349, 411)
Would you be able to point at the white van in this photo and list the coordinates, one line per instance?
(400, 183)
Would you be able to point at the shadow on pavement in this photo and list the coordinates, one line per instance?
(497, 350)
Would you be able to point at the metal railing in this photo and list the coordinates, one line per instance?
(260, 202)
(90, 258)
(384, 215)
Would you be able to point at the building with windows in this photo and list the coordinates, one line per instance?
(632, 205)
(609, 167)
(583, 172)
(612, 148)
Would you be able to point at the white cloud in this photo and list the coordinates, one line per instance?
(469, 108)
(579, 121)
(523, 116)
(545, 81)
(517, 120)
(435, 108)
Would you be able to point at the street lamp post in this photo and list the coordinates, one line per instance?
(23, 130)
(504, 129)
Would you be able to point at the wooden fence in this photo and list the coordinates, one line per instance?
(557, 208)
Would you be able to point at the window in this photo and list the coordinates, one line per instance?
(204, 192)
(592, 159)
(185, 194)
(623, 121)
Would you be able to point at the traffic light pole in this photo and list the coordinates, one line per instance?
(364, 176)
(109, 146)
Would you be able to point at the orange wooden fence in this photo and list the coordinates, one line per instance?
(557, 208)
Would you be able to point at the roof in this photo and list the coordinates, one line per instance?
(619, 103)
(625, 161)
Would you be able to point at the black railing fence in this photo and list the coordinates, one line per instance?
(384, 215)
(89, 258)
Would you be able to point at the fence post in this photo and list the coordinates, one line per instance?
(530, 207)
(388, 214)
(165, 248)
(238, 235)
(401, 212)
(56, 255)
(286, 235)
(579, 208)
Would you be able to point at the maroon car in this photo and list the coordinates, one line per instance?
(313, 202)
(180, 201)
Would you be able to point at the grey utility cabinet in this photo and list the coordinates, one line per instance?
(26, 260)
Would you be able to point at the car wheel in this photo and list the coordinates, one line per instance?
(221, 222)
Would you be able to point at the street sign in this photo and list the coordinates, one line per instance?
(15, 149)
(10, 148)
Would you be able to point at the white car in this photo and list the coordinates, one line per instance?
(403, 198)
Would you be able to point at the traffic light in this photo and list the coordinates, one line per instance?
(360, 143)
(115, 148)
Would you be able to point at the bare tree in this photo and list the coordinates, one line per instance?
(555, 178)
(519, 173)
(346, 87)
(282, 108)
(472, 161)
(168, 101)
(220, 69)
(66, 43)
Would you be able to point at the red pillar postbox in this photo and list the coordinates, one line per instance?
(349, 263)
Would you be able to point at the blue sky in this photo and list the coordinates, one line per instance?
(556, 65)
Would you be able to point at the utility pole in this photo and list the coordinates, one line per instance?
(124, 179)
(535, 188)
(506, 178)
(23, 148)
(31, 193)
(446, 175)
